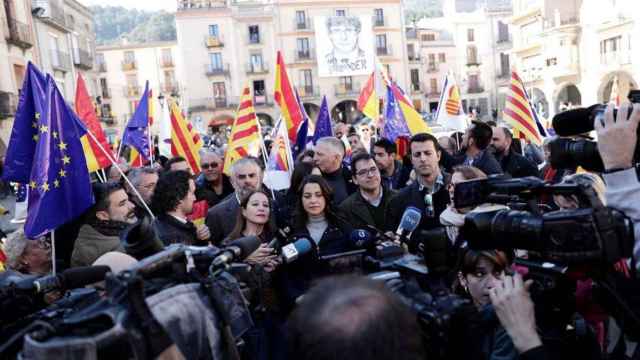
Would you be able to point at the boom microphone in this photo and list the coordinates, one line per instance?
(66, 280)
(237, 249)
(408, 223)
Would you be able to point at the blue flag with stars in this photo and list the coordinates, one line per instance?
(323, 123)
(394, 123)
(59, 185)
(135, 134)
(22, 147)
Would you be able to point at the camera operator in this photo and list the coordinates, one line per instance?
(353, 318)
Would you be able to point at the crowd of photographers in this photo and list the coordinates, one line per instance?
(338, 203)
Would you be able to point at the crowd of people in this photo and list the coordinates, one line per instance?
(333, 194)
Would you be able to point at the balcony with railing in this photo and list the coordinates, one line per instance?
(19, 34)
(384, 50)
(213, 103)
(432, 68)
(132, 91)
(473, 61)
(615, 58)
(302, 56)
(8, 104)
(129, 65)
(416, 88)
(344, 90)
(216, 69)
(308, 92)
(82, 58)
(102, 67)
(378, 21)
(254, 39)
(475, 89)
(433, 94)
(166, 62)
(60, 60)
(187, 5)
(54, 15)
(170, 87)
(302, 25)
(256, 68)
(412, 34)
(211, 41)
(415, 59)
(262, 100)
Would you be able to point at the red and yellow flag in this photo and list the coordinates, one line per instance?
(96, 158)
(286, 99)
(518, 112)
(368, 102)
(245, 136)
(185, 141)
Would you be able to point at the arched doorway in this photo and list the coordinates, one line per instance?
(540, 103)
(625, 82)
(346, 111)
(265, 120)
(312, 110)
(220, 124)
(568, 97)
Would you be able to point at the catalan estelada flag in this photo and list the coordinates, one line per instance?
(185, 141)
(518, 111)
(368, 102)
(96, 157)
(286, 99)
(414, 120)
(245, 136)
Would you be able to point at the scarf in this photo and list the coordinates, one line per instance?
(108, 227)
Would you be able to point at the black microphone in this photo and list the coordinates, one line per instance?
(237, 249)
(362, 239)
(408, 223)
(298, 248)
(576, 121)
(68, 279)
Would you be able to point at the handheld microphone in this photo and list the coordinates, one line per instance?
(237, 249)
(301, 246)
(362, 239)
(68, 279)
(408, 223)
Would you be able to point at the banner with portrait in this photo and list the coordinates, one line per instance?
(344, 45)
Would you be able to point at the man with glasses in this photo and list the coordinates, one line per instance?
(368, 205)
(212, 185)
(428, 193)
(144, 179)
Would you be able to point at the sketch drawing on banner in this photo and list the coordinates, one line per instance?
(344, 45)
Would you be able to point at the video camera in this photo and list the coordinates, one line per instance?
(569, 153)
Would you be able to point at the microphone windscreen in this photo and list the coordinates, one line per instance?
(247, 245)
(410, 219)
(574, 122)
(361, 239)
(83, 276)
(304, 245)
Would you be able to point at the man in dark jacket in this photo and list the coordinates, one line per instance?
(172, 202)
(212, 185)
(428, 193)
(474, 145)
(328, 156)
(511, 162)
(394, 175)
(367, 206)
(111, 214)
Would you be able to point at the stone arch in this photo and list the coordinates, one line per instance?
(567, 93)
(540, 102)
(346, 111)
(626, 82)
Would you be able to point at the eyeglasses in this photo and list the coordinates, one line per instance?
(212, 165)
(370, 171)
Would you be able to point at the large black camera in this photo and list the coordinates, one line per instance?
(569, 153)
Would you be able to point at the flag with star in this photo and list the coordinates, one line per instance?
(135, 134)
(24, 135)
(59, 185)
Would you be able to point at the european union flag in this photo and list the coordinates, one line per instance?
(22, 147)
(135, 134)
(394, 123)
(59, 185)
(323, 123)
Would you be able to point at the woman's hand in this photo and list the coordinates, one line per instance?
(262, 256)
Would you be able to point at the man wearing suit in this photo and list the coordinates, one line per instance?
(246, 176)
(428, 193)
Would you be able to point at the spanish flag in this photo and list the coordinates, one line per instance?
(518, 112)
(96, 157)
(245, 136)
(286, 99)
(368, 102)
(185, 141)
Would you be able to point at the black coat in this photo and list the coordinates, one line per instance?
(486, 162)
(411, 196)
(204, 190)
(350, 186)
(172, 231)
(355, 209)
(517, 165)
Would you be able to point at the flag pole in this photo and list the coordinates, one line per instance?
(133, 188)
(264, 151)
(53, 252)
(288, 148)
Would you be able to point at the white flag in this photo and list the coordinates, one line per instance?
(450, 112)
(164, 141)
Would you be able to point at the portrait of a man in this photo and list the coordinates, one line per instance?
(345, 51)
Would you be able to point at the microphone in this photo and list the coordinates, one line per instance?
(576, 121)
(300, 247)
(362, 239)
(408, 223)
(237, 249)
(68, 279)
